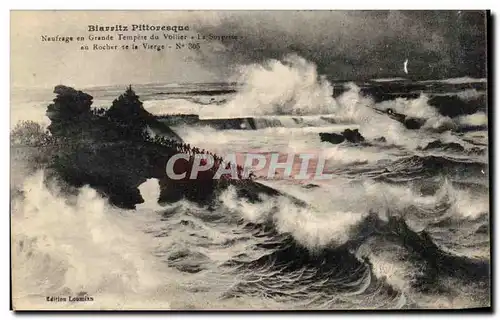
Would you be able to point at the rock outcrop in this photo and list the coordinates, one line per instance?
(114, 153)
(349, 135)
(380, 139)
(452, 146)
(437, 144)
(69, 112)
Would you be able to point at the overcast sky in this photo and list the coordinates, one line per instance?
(353, 45)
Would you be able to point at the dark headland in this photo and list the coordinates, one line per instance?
(117, 149)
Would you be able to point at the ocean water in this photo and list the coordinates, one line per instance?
(396, 227)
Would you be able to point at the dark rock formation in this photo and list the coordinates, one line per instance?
(380, 139)
(71, 116)
(72, 101)
(437, 144)
(70, 110)
(414, 123)
(113, 152)
(348, 135)
(310, 186)
(452, 146)
(353, 136)
(127, 111)
(332, 137)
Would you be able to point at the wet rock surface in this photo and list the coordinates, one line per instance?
(348, 135)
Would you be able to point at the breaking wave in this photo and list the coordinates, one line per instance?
(73, 244)
(397, 227)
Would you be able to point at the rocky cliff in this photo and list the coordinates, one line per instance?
(113, 152)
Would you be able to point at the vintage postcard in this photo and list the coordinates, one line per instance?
(249, 160)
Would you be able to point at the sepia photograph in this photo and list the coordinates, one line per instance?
(260, 160)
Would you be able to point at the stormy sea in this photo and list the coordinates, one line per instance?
(403, 223)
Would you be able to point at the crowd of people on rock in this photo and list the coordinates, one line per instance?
(188, 149)
(175, 115)
(192, 151)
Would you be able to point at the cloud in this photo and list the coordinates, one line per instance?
(343, 44)
(358, 44)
